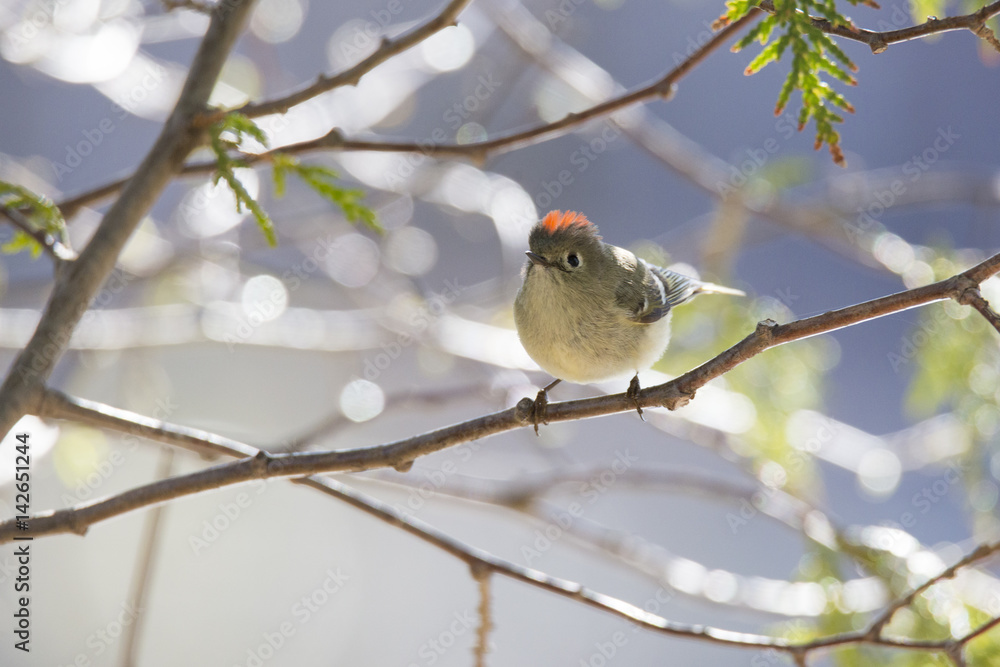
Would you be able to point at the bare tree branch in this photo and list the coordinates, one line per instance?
(652, 560)
(769, 334)
(880, 41)
(776, 505)
(350, 77)
(779, 506)
(662, 88)
(79, 283)
(479, 151)
(973, 297)
(480, 560)
(401, 453)
(647, 131)
(985, 627)
(979, 553)
(483, 563)
(58, 405)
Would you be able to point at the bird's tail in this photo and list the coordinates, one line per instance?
(712, 288)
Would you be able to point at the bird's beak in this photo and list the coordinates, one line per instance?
(536, 259)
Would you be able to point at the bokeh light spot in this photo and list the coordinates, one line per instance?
(353, 260)
(470, 133)
(264, 298)
(276, 21)
(449, 49)
(879, 472)
(410, 251)
(362, 400)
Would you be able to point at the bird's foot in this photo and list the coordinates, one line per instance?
(539, 409)
(633, 393)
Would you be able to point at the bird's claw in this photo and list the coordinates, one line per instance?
(539, 409)
(633, 393)
(540, 406)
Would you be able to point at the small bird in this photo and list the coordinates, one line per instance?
(588, 311)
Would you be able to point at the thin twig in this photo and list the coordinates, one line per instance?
(646, 130)
(880, 41)
(145, 566)
(957, 655)
(72, 205)
(350, 77)
(481, 560)
(649, 560)
(59, 405)
(525, 489)
(401, 453)
(521, 493)
(482, 646)
(53, 247)
(973, 297)
(663, 88)
(982, 629)
(770, 334)
(978, 554)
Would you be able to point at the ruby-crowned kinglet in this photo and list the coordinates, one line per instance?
(589, 311)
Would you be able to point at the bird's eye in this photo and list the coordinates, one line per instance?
(573, 260)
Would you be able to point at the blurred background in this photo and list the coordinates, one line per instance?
(797, 495)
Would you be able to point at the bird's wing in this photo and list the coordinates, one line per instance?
(662, 289)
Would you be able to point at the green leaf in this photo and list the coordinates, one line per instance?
(245, 201)
(831, 46)
(22, 241)
(225, 136)
(323, 181)
(280, 165)
(814, 55)
(239, 126)
(783, 96)
(737, 8)
(767, 55)
(40, 212)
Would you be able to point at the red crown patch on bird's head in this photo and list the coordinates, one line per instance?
(557, 220)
